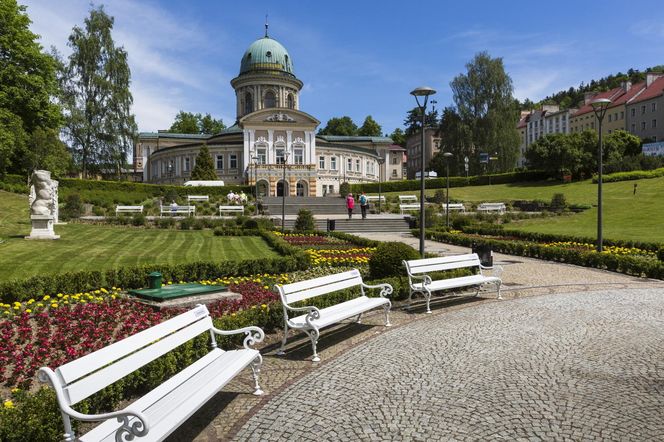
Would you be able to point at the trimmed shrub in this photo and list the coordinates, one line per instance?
(558, 202)
(387, 259)
(73, 207)
(138, 219)
(305, 221)
(344, 189)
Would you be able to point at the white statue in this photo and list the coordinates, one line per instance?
(43, 191)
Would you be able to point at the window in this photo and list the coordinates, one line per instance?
(280, 156)
(220, 161)
(357, 165)
(333, 163)
(610, 118)
(186, 165)
(232, 160)
(654, 124)
(633, 112)
(261, 153)
(653, 107)
(395, 160)
(633, 126)
(298, 155)
(643, 109)
(394, 172)
(290, 101)
(622, 115)
(643, 125)
(349, 164)
(321, 162)
(269, 100)
(248, 103)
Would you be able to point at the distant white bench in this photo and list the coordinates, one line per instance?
(407, 198)
(408, 207)
(178, 210)
(420, 269)
(155, 415)
(492, 207)
(314, 319)
(371, 198)
(128, 209)
(454, 206)
(231, 209)
(191, 198)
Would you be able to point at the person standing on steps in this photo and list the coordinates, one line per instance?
(363, 205)
(350, 205)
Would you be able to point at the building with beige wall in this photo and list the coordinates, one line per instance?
(645, 112)
(414, 150)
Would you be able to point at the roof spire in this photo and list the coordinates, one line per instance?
(266, 26)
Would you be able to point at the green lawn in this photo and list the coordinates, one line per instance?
(88, 247)
(626, 216)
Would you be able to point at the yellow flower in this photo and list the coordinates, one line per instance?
(46, 298)
(8, 404)
(15, 390)
(54, 305)
(27, 310)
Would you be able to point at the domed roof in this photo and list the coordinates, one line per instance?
(266, 54)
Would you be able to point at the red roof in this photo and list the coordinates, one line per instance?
(655, 90)
(612, 95)
(631, 93)
(522, 122)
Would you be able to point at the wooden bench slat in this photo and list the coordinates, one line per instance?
(295, 287)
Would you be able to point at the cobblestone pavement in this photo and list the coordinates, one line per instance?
(577, 366)
(480, 380)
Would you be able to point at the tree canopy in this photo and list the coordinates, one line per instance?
(28, 85)
(339, 126)
(398, 137)
(204, 168)
(370, 128)
(97, 102)
(190, 123)
(413, 120)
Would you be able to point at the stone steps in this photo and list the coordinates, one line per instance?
(356, 225)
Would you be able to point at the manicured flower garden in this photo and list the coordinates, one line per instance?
(607, 250)
(330, 251)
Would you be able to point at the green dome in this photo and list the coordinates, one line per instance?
(266, 54)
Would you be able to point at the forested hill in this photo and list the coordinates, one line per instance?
(573, 96)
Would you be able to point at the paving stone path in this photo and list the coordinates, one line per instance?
(570, 366)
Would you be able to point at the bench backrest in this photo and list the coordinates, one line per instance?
(407, 198)
(311, 288)
(493, 205)
(418, 266)
(121, 208)
(89, 374)
(197, 197)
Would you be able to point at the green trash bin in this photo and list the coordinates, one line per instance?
(155, 280)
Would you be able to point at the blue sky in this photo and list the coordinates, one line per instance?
(363, 57)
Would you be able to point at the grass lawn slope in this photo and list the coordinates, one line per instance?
(88, 247)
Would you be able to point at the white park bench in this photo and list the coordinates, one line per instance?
(407, 198)
(372, 198)
(156, 414)
(492, 207)
(195, 198)
(454, 206)
(177, 210)
(231, 209)
(128, 209)
(420, 269)
(408, 207)
(314, 319)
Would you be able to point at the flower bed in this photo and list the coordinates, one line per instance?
(333, 257)
(608, 250)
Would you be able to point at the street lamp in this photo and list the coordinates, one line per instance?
(422, 92)
(255, 161)
(447, 156)
(599, 107)
(283, 195)
(381, 161)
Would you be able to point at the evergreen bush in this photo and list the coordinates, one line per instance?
(387, 259)
(305, 221)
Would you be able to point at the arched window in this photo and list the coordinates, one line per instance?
(269, 100)
(248, 103)
(290, 101)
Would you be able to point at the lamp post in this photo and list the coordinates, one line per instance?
(381, 161)
(255, 161)
(422, 92)
(447, 156)
(283, 195)
(599, 107)
(465, 165)
(170, 172)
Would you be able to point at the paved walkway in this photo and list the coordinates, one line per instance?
(571, 353)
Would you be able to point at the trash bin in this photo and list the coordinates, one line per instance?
(155, 280)
(485, 254)
(331, 225)
(412, 222)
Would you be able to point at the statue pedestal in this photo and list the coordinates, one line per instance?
(42, 227)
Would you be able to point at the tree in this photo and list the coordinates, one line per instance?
(46, 151)
(484, 102)
(27, 86)
(370, 128)
(339, 126)
(398, 137)
(96, 97)
(204, 168)
(562, 153)
(413, 120)
(189, 123)
(620, 144)
(455, 138)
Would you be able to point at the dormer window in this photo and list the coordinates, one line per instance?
(249, 56)
(268, 54)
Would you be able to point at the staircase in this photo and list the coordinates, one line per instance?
(318, 205)
(357, 224)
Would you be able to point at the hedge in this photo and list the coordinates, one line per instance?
(634, 175)
(630, 265)
(440, 183)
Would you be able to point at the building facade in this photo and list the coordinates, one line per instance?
(271, 138)
(414, 151)
(645, 112)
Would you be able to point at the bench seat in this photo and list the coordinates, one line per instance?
(179, 397)
(332, 315)
(453, 283)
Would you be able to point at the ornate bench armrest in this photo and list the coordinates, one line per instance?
(426, 279)
(497, 270)
(254, 334)
(128, 431)
(313, 314)
(386, 289)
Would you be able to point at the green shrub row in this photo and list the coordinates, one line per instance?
(630, 265)
(440, 183)
(627, 176)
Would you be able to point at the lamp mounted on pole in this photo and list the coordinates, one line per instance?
(422, 92)
(381, 161)
(599, 107)
(283, 194)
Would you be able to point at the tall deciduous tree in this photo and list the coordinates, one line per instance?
(27, 85)
(370, 128)
(96, 97)
(339, 126)
(484, 102)
(204, 168)
(189, 123)
(455, 138)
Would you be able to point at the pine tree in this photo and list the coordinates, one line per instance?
(204, 168)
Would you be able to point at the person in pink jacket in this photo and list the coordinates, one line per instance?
(350, 205)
